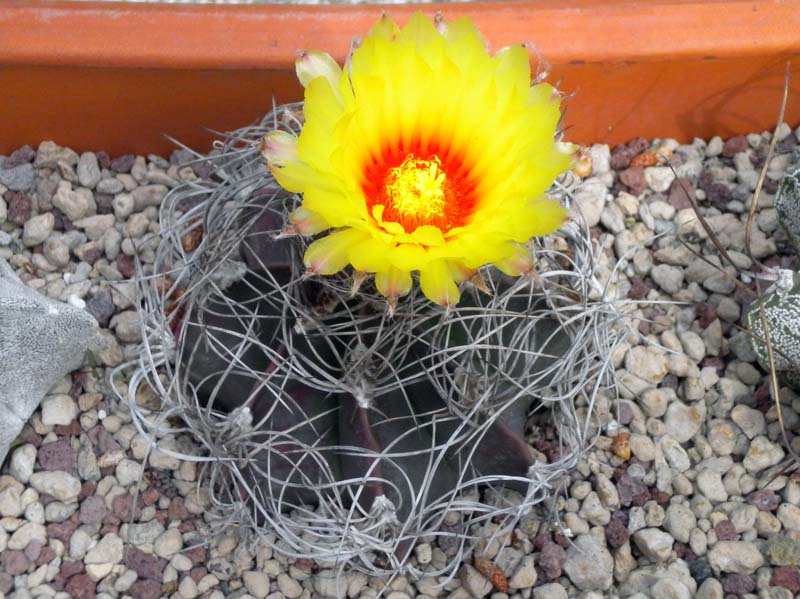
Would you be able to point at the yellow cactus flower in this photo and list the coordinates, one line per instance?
(425, 154)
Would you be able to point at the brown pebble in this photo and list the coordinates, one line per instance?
(81, 586)
(725, 530)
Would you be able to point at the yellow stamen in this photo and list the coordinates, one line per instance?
(416, 187)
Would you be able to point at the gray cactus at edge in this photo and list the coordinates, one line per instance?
(41, 340)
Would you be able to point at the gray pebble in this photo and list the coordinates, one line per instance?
(654, 544)
(148, 195)
(668, 278)
(95, 226)
(144, 532)
(740, 557)
(75, 204)
(659, 178)
(88, 170)
(108, 550)
(48, 155)
(589, 565)
(37, 229)
(679, 521)
(551, 590)
(749, 420)
(137, 225)
(17, 178)
(56, 251)
(710, 485)
(22, 462)
(290, 588)
(110, 186)
(61, 485)
(127, 326)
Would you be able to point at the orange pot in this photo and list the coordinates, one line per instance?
(119, 76)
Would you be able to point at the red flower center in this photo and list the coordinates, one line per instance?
(418, 186)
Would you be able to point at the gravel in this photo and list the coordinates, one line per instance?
(696, 508)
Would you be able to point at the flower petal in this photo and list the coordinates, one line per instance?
(279, 147)
(519, 261)
(312, 64)
(331, 253)
(369, 255)
(393, 282)
(436, 281)
(306, 222)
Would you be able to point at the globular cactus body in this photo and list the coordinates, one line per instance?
(781, 304)
(347, 430)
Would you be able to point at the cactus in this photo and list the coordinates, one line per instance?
(782, 301)
(787, 205)
(348, 430)
(782, 314)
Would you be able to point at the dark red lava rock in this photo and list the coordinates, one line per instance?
(633, 179)
(684, 552)
(93, 510)
(145, 589)
(639, 289)
(177, 509)
(81, 586)
(764, 500)
(551, 559)
(738, 584)
(14, 562)
(103, 159)
(726, 531)
(660, 497)
(33, 549)
(122, 505)
(102, 439)
(61, 530)
(146, 565)
(71, 568)
(73, 429)
(19, 156)
(87, 489)
(622, 154)
(787, 577)
(123, 164)
(46, 555)
(734, 145)
(714, 362)
(616, 534)
(632, 491)
(57, 455)
(150, 496)
(198, 573)
(198, 554)
(186, 526)
(680, 192)
(6, 583)
(91, 254)
(126, 265)
(706, 314)
(718, 194)
(19, 207)
(60, 221)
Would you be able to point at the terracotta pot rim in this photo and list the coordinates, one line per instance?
(114, 34)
